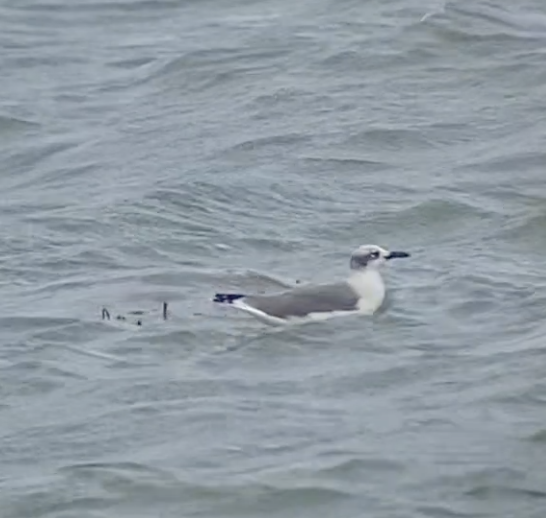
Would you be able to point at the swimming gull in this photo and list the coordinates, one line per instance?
(362, 292)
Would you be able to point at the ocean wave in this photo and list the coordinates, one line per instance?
(485, 21)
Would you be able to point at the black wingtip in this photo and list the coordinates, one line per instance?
(227, 297)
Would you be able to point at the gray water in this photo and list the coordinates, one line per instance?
(162, 151)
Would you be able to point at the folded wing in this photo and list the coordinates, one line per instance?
(303, 301)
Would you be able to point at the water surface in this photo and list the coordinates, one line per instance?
(164, 150)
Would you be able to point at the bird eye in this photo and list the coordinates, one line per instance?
(374, 255)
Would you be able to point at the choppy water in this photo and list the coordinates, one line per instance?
(161, 150)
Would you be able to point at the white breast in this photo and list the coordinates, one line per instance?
(370, 288)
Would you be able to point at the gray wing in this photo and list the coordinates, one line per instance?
(299, 302)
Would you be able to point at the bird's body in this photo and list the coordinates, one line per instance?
(362, 292)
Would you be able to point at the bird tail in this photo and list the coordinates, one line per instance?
(227, 298)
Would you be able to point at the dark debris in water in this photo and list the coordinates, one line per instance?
(105, 314)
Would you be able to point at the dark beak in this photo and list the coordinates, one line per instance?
(395, 255)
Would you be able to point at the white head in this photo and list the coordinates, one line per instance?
(372, 256)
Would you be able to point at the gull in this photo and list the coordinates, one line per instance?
(363, 292)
